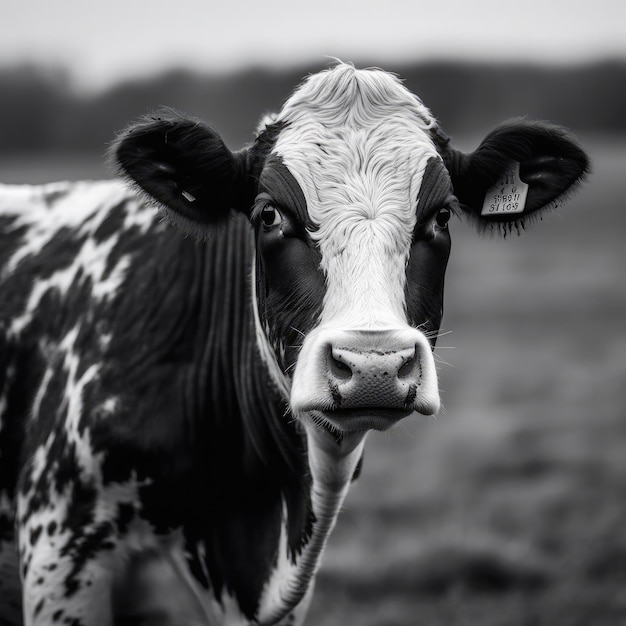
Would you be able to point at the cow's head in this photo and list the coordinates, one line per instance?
(350, 189)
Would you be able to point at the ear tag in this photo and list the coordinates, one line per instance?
(508, 194)
(188, 196)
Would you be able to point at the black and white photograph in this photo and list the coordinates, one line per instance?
(313, 314)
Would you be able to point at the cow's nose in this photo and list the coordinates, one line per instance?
(373, 369)
(343, 374)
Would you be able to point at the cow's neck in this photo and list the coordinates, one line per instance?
(333, 464)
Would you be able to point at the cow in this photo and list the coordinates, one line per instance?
(182, 416)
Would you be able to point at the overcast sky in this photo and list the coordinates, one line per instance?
(108, 40)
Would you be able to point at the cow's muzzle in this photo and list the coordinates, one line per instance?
(365, 379)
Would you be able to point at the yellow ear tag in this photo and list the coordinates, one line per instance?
(508, 194)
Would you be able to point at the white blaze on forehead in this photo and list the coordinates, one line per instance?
(358, 142)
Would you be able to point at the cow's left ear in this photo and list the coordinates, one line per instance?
(184, 166)
(518, 171)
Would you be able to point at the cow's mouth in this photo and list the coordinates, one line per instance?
(360, 419)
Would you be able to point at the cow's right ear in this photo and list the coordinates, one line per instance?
(184, 166)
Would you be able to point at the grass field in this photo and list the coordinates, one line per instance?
(509, 509)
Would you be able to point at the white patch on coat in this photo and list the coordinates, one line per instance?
(41, 391)
(73, 398)
(283, 570)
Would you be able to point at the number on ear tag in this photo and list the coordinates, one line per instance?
(508, 194)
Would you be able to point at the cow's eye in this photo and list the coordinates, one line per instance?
(443, 217)
(270, 216)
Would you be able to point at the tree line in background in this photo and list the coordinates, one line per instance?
(41, 110)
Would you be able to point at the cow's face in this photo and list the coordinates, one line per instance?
(349, 190)
(352, 240)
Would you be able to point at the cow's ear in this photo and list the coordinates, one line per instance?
(184, 166)
(519, 170)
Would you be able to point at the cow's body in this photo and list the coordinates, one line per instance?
(132, 322)
(181, 420)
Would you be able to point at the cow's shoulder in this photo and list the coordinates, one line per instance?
(62, 247)
(66, 253)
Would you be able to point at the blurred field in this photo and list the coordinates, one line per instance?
(509, 509)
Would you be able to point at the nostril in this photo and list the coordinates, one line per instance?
(411, 368)
(339, 368)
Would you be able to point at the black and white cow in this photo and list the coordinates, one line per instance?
(181, 418)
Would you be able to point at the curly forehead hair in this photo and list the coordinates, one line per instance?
(344, 95)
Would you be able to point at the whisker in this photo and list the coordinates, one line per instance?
(437, 333)
(289, 416)
(406, 427)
